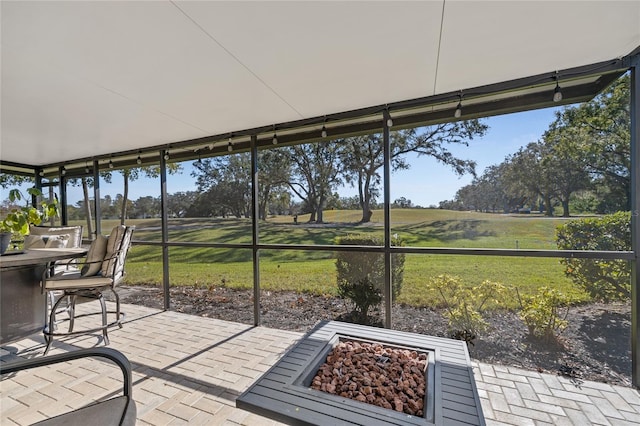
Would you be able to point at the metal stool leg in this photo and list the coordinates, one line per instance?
(104, 319)
(119, 315)
(48, 331)
(71, 311)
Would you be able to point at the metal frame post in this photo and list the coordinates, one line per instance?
(386, 139)
(38, 178)
(97, 210)
(63, 196)
(165, 230)
(255, 230)
(635, 216)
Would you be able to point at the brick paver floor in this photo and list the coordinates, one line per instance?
(190, 370)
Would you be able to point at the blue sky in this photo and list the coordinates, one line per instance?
(425, 183)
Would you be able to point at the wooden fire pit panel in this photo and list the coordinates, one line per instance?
(280, 395)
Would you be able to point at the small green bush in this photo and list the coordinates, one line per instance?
(360, 275)
(363, 293)
(542, 313)
(465, 305)
(602, 279)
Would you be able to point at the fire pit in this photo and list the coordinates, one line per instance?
(394, 378)
(386, 376)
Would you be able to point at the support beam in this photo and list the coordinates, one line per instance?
(63, 196)
(388, 275)
(254, 226)
(97, 212)
(165, 229)
(635, 216)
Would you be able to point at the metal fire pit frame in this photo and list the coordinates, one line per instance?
(280, 395)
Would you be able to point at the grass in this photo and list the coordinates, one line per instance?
(314, 271)
(524, 274)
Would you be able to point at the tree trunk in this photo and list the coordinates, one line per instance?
(548, 206)
(565, 208)
(320, 210)
(262, 205)
(366, 208)
(366, 211)
(87, 208)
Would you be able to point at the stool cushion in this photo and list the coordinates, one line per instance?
(46, 241)
(113, 244)
(96, 253)
(74, 233)
(64, 281)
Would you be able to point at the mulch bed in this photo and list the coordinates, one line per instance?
(595, 346)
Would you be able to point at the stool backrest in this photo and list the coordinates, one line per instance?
(74, 233)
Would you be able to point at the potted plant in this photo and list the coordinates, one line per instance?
(18, 219)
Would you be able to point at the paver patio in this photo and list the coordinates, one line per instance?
(190, 370)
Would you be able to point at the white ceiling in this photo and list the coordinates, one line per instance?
(82, 79)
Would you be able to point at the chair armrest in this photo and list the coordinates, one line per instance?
(49, 270)
(66, 262)
(52, 269)
(111, 354)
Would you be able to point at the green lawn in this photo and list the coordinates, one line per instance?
(308, 271)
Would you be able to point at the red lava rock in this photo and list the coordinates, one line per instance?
(388, 377)
(415, 405)
(397, 404)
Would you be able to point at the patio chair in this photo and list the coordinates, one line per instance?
(102, 270)
(118, 410)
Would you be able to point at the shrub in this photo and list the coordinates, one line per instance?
(361, 275)
(541, 312)
(465, 305)
(603, 279)
(363, 293)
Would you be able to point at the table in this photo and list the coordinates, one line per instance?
(22, 303)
